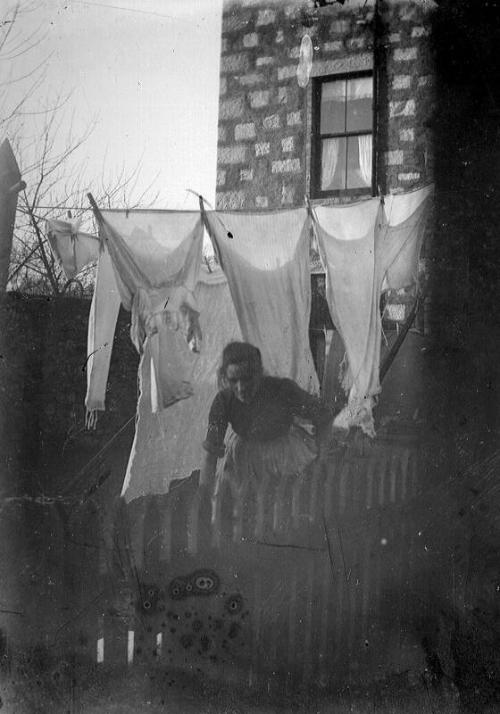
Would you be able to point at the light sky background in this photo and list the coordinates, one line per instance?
(148, 71)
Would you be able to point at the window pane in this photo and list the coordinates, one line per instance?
(359, 104)
(359, 161)
(332, 119)
(333, 164)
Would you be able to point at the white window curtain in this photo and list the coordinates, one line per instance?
(359, 88)
(329, 159)
(333, 95)
(365, 158)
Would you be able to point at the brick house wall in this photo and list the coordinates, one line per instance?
(264, 140)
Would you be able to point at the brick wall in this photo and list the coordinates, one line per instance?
(265, 117)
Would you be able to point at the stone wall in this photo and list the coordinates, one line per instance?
(264, 148)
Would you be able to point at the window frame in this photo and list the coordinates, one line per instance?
(317, 137)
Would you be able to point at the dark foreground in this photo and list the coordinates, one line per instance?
(88, 689)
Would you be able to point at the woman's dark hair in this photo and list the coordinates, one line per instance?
(239, 353)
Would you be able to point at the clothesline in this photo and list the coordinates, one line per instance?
(321, 202)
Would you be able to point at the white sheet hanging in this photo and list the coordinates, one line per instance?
(265, 257)
(367, 247)
(346, 238)
(400, 239)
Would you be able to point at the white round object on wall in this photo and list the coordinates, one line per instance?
(305, 61)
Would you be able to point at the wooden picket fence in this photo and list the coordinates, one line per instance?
(310, 581)
(315, 581)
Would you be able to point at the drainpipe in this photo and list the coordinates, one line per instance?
(378, 49)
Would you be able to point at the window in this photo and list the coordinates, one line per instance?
(343, 135)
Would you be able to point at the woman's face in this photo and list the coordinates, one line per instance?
(242, 381)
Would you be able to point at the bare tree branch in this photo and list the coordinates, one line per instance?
(52, 160)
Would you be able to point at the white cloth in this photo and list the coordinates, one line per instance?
(266, 262)
(75, 250)
(156, 257)
(398, 207)
(103, 315)
(346, 238)
(367, 247)
(72, 248)
(399, 242)
(167, 445)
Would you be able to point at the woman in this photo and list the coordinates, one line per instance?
(266, 416)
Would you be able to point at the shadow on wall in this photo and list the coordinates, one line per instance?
(467, 152)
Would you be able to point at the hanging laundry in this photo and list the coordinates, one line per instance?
(72, 248)
(156, 256)
(265, 257)
(400, 239)
(346, 239)
(168, 445)
(75, 250)
(103, 315)
(367, 248)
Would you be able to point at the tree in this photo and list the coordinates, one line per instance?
(49, 161)
(56, 188)
(19, 86)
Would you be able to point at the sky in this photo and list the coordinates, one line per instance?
(145, 71)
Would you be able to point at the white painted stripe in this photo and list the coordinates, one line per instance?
(130, 646)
